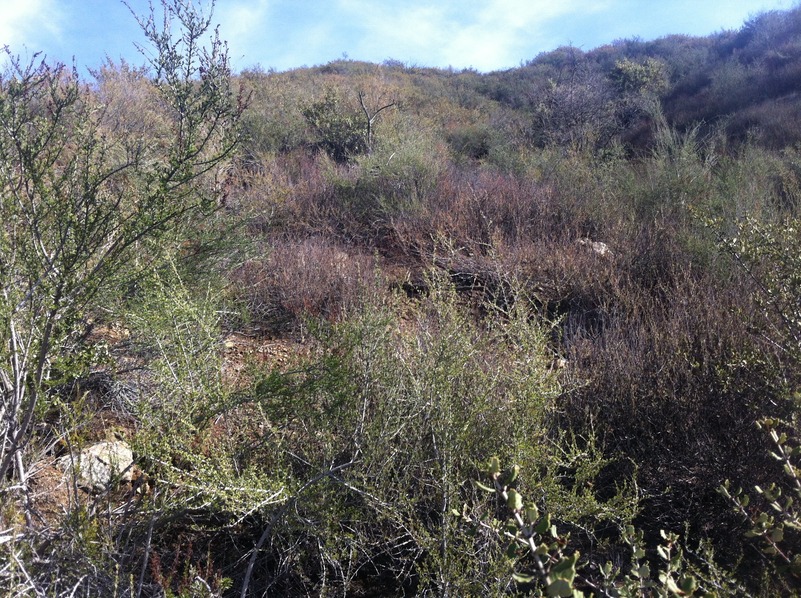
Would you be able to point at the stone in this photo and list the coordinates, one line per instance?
(100, 465)
(597, 247)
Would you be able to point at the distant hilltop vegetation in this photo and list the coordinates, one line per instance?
(743, 83)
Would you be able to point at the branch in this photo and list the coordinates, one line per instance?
(371, 119)
(278, 514)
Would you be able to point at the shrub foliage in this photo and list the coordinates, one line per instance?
(392, 330)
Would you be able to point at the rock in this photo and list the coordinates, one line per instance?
(598, 247)
(98, 466)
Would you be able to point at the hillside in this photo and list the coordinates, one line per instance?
(382, 330)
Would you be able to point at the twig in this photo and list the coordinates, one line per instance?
(141, 580)
(279, 513)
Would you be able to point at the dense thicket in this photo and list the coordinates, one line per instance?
(392, 330)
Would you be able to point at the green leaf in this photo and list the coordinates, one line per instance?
(514, 500)
(560, 587)
(523, 578)
(795, 566)
(511, 475)
(484, 486)
(777, 534)
(494, 467)
(511, 550)
(773, 492)
(531, 513)
(671, 585)
(566, 568)
(688, 584)
(544, 525)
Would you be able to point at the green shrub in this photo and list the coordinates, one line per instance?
(340, 130)
(769, 253)
(772, 517)
(404, 402)
(545, 561)
(89, 204)
(274, 121)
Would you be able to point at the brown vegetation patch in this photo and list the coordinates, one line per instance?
(244, 354)
(312, 277)
(51, 497)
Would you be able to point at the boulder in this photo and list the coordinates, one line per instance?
(100, 465)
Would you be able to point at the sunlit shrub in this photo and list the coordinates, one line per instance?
(407, 400)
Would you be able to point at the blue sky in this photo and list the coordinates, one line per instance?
(482, 34)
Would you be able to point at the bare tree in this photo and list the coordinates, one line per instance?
(371, 118)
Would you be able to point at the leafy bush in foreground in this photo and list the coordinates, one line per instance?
(389, 424)
(88, 202)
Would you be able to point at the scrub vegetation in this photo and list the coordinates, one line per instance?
(383, 330)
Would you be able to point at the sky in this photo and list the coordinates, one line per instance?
(485, 35)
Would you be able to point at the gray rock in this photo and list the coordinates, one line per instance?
(99, 465)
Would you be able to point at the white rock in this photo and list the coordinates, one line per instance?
(598, 247)
(99, 465)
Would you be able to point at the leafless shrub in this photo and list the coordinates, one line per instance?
(671, 383)
(309, 277)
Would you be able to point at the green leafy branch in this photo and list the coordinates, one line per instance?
(673, 578)
(554, 571)
(778, 515)
(532, 533)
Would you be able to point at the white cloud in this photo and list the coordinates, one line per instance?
(500, 33)
(241, 23)
(243, 18)
(21, 22)
(488, 34)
